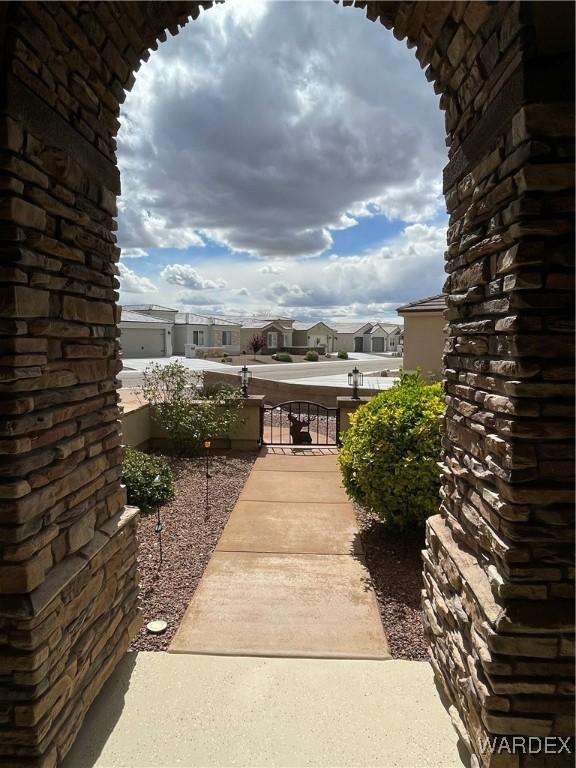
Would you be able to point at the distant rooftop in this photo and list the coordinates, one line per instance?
(148, 308)
(301, 325)
(259, 322)
(350, 327)
(190, 318)
(134, 317)
(429, 304)
(388, 327)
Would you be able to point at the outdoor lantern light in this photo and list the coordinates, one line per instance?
(355, 380)
(245, 379)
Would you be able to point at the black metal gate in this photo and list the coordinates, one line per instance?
(299, 422)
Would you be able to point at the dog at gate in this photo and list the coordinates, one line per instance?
(299, 431)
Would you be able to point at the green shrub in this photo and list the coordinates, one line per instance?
(189, 410)
(342, 355)
(311, 356)
(389, 455)
(148, 479)
(282, 357)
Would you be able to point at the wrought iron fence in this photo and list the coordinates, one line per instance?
(299, 422)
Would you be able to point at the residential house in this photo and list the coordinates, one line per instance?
(314, 334)
(385, 337)
(277, 333)
(199, 333)
(142, 335)
(424, 335)
(353, 337)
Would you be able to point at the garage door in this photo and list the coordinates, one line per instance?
(377, 344)
(137, 342)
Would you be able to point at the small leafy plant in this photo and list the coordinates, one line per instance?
(186, 408)
(148, 479)
(342, 354)
(311, 356)
(282, 357)
(389, 455)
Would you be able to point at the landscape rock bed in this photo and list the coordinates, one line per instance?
(395, 565)
(188, 539)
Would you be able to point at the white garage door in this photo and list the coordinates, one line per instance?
(137, 342)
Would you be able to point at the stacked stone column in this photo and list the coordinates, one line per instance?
(498, 567)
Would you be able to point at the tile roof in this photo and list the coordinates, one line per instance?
(148, 308)
(134, 317)
(429, 304)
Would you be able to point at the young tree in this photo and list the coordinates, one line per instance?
(256, 343)
(186, 409)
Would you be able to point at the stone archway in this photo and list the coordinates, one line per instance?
(498, 578)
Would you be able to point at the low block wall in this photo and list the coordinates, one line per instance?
(275, 392)
(140, 430)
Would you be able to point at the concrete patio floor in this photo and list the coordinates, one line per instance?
(166, 710)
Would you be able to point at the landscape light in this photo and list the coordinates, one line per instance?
(355, 380)
(245, 379)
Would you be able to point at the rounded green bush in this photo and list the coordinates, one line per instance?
(148, 479)
(282, 357)
(311, 356)
(389, 455)
(342, 354)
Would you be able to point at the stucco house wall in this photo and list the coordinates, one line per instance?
(424, 339)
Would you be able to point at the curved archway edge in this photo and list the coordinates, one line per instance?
(498, 584)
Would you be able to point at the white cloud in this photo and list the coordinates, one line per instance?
(130, 282)
(267, 126)
(134, 253)
(187, 277)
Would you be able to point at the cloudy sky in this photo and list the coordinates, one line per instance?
(282, 157)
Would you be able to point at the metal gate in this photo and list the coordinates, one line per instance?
(299, 422)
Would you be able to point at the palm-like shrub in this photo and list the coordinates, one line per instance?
(389, 455)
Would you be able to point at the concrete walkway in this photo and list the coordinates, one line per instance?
(287, 578)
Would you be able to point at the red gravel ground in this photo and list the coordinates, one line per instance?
(395, 565)
(188, 539)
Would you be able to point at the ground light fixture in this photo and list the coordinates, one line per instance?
(245, 379)
(355, 380)
(207, 446)
(158, 527)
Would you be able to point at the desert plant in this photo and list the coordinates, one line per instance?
(256, 343)
(282, 357)
(189, 410)
(311, 356)
(342, 354)
(148, 479)
(389, 455)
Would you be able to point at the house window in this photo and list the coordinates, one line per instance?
(198, 338)
(272, 340)
(226, 338)
(286, 339)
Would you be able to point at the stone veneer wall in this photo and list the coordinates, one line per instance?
(498, 573)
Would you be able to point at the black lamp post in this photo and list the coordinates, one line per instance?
(245, 379)
(355, 380)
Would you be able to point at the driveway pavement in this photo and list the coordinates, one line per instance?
(333, 372)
